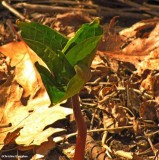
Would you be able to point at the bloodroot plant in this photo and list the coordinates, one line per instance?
(68, 65)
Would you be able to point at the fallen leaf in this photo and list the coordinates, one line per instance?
(33, 132)
(23, 58)
(148, 110)
(25, 103)
(140, 46)
(45, 147)
(114, 116)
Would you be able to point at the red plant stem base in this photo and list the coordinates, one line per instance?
(81, 127)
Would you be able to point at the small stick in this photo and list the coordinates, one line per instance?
(155, 151)
(62, 139)
(45, 8)
(104, 11)
(140, 7)
(14, 11)
(63, 2)
(153, 7)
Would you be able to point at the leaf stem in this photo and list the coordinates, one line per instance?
(81, 127)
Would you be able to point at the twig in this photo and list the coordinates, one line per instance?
(63, 2)
(155, 151)
(154, 7)
(149, 150)
(140, 7)
(127, 155)
(62, 139)
(106, 98)
(14, 11)
(48, 9)
(92, 120)
(151, 134)
(103, 11)
(137, 91)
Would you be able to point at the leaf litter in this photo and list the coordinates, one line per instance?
(121, 98)
(127, 92)
(25, 103)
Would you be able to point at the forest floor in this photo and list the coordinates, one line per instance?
(120, 103)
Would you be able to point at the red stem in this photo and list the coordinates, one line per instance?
(82, 129)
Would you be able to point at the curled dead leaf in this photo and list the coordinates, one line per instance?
(148, 109)
(140, 46)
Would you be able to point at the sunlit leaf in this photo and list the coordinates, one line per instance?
(35, 32)
(82, 50)
(86, 31)
(47, 44)
(34, 131)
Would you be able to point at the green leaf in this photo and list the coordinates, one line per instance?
(47, 44)
(76, 83)
(43, 34)
(82, 50)
(83, 75)
(86, 31)
(68, 61)
(55, 91)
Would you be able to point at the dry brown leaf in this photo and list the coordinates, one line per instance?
(140, 46)
(136, 29)
(11, 136)
(106, 91)
(68, 23)
(136, 127)
(115, 116)
(133, 101)
(148, 109)
(23, 58)
(24, 101)
(148, 84)
(15, 50)
(45, 147)
(33, 132)
(151, 85)
(10, 104)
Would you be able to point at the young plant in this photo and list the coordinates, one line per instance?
(68, 65)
